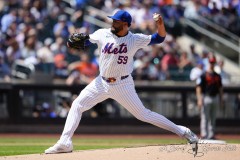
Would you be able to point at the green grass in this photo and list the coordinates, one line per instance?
(23, 145)
(28, 145)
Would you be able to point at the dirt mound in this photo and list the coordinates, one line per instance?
(169, 152)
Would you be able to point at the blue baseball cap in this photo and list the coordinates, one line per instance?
(122, 15)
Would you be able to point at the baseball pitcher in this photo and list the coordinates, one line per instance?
(116, 48)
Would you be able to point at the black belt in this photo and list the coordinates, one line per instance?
(113, 79)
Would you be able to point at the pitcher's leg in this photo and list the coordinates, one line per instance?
(72, 121)
(89, 97)
(127, 97)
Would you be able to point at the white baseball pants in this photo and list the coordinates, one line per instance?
(123, 91)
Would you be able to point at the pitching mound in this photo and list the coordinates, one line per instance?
(169, 152)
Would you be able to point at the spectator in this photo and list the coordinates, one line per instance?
(204, 11)
(38, 10)
(63, 27)
(23, 30)
(222, 18)
(191, 10)
(184, 61)
(83, 72)
(219, 68)
(60, 65)
(173, 17)
(194, 56)
(169, 60)
(8, 19)
(138, 63)
(144, 16)
(49, 21)
(159, 74)
(13, 53)
(205, 60)
(31, 45)
(147, 70)
(43, 110)
(46, 57)
(157, 54)
(197, 71)
(58, 46)
(12, 29)
(77, 18)
(5, 72)
(63, 107)
(214, 9)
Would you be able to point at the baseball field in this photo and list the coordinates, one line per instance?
(116, 147)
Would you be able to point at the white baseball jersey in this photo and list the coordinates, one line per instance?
(116, 53)
(116, 60)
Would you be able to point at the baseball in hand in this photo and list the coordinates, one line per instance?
(156, 16)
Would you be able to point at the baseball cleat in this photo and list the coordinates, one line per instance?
(59, 148)
(192, 139)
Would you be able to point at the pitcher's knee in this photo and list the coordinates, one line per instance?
(143, 115)
(76, 104)
(81, 104)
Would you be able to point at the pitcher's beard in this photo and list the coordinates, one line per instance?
(115, 30)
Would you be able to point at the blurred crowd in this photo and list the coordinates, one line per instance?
(224, 13)
(34, 33)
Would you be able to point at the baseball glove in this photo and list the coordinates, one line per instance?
(77, 41)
